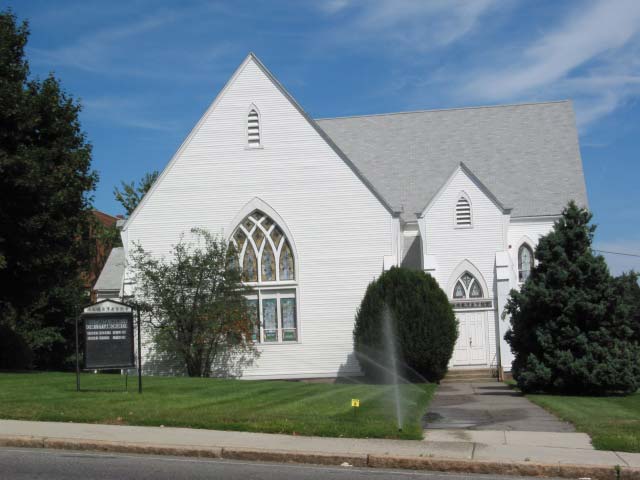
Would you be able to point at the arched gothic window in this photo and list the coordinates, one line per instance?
(268, 265)
(463, 212)
(525, 262)
(253, 128)
(467, 286)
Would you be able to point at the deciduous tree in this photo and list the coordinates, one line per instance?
(131, 194)
(194, 304)
(45, 181)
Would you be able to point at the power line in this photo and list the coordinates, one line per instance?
(618, 253)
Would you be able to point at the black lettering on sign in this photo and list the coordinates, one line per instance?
(108, 340)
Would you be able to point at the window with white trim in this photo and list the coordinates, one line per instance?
(268, 266)
(525, 262)
(253, 128)
(468, 293)
(467, 286)
(463, 212)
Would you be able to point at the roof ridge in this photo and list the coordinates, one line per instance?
(477, 107)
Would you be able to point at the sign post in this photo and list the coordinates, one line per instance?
(77, 354)
(108, 338)
(139, 354)
(355, 403)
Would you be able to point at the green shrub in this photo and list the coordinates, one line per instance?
(15, 354)
(572, 326)
(424, 327)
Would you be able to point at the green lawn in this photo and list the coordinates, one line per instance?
(256, 406)
(612, 422)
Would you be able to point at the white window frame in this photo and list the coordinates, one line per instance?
(278, 295)
(269, 289)
(468, 302)
(524, 244)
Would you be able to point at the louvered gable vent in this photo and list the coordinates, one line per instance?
(253, 128)
(463, 212)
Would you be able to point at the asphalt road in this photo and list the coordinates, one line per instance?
(20, 464)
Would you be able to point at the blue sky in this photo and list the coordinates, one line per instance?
(146, 70)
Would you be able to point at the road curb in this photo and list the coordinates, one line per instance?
(286, 456)
(594, 472)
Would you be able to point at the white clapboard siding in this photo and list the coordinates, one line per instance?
(452, 243)
(341, 231)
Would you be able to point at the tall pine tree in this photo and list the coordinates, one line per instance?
(45, 178)
(572, 326)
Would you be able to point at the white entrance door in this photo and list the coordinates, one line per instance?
(471, 346)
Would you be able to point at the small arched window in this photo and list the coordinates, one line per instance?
(463, 212)
(253, 128)
(525, 262)
(467, 286)
(267, 261)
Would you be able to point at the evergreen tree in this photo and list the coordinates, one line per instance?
(572, 329)
(45, 177)
(131, 195)
(629, 289)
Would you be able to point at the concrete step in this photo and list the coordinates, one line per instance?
(471, 375)
(469, 380)
(484, 372)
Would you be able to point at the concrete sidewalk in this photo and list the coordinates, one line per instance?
(488, 406)
(514, 453)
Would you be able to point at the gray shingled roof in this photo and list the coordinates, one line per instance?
(111, 275)
(526, 155)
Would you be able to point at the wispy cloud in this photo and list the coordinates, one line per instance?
(586, 56)
(98, 52)
(412, 25)
(135, 112)
(160, 44)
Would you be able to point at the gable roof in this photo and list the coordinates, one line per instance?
(113, 271)
(252, 58)
(527, 155)
(464, 169)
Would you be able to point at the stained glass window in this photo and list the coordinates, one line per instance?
(467, 286)
(232, 258)
(258, 237)
(268, 264)
(286, 263)
(288, 315)
(240, 239)
(250, 266)
(255, 321)
(525, 262)
(475, 291)
(266, 255)
(276, 235)
(458, 291)
(270, 319)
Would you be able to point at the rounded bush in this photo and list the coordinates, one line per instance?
(421, 326)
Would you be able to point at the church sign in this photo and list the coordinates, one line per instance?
(108, 339)
(108, 336)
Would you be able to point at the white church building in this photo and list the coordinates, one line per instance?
(318, 208)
